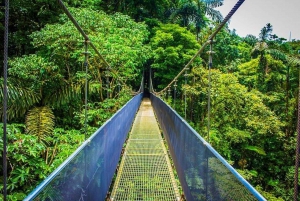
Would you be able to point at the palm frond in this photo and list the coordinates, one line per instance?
(265, 32)
(40, 122)
(250, 39)
(277, 54)
(260, 46)
(256, 149)
(294, 61)
(213, 3)
(214, 14)
(19, 100)
(64, 94)
(184, 15)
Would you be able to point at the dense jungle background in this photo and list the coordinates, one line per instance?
(254, 92)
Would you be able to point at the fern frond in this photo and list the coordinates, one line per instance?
(40, 122)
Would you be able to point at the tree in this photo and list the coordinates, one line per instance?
(27, 16)
(49, 84)
(118, 38)
(173, 46)
(189, 13)
(138, 9)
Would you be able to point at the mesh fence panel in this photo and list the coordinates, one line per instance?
(88, 172)
(203, 173)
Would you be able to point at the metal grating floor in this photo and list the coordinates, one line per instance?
(145, 171)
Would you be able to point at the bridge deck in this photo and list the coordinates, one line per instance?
(145, 171)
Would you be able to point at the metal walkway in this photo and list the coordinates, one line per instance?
(145, 171)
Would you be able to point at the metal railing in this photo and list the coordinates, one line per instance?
(203, 173)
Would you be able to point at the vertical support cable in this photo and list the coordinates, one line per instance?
(185, 105)
(5, 100)
(216, 31)
(297, 148)
(143, 82)
(208, 116)
(107, 83)
(86, 53)
(149, 81)
(175, 85)
(209, 89)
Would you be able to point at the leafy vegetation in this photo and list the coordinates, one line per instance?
(254, 90)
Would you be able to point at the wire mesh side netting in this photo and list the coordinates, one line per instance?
(203, 173)
(88, 172)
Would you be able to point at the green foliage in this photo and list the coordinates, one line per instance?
(193, 14)
(253, 107)
(34, 71)
(117, 37)
(138, 9)
(40, 122)
(254, 91)
(243, 128)
(30, 160)
(267, 195)
(44, 78)
(237, 115)
(229, 48)
(256, 149)
(247, 73)
(20, 99)
(99, 112)
(173, 46)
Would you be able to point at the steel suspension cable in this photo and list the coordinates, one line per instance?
(5, 97)
(86, 53)
(233, 10)
(70, 16)
(209, 90)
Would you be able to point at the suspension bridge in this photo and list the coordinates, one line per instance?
(146, 170)
(146, 151)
